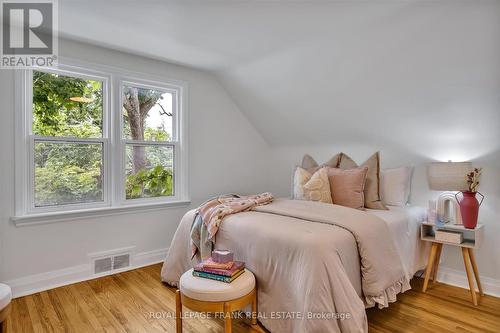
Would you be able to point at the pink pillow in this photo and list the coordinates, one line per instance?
(347, 186)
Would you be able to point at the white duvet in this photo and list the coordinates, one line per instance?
(404, 224)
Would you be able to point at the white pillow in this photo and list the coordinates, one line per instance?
(312, 187)
(395, 186)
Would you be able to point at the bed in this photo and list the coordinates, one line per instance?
(318, 266)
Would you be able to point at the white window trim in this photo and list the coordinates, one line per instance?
(176, 142)
(29, 182)
(113, 145)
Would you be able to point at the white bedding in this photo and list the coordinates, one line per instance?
(404, 223)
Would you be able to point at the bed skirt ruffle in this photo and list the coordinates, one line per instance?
(389, 295)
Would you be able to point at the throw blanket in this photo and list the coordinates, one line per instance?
(309, 258)
(210, 215)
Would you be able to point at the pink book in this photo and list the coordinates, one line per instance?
(237, 266)
(210, 263)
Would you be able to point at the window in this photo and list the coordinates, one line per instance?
(68, 141)
(148, 133)
(98, 139)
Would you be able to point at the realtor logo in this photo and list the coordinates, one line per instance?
(29, 34)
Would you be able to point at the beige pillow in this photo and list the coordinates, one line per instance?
(312, 166)
(308, 162)
(372, 186)
(311, 187)
(347, 186)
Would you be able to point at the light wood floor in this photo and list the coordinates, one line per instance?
(123, 302)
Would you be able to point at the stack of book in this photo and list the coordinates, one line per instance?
(225, 272)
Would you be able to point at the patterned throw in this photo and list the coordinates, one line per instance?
(210, 215)
(213, 211)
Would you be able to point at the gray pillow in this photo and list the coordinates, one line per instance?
(311, 165)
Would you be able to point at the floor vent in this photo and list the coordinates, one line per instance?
(103, 265)
(121, 261)
(107, 262)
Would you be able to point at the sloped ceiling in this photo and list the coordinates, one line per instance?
(409, 73)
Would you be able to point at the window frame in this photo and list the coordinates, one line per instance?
(175, 142)
(29, 186)
(112, 140)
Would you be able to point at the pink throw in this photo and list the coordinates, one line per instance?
(213, 211)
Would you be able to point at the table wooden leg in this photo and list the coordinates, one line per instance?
(465, 254)
(227, 318)
(436, 262)
(430, 264)
(476, 273)
(254, 309)
(178, 312)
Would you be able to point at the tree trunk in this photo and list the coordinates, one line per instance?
(136, 122)
(137, 102)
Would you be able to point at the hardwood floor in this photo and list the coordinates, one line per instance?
(124, 302)
(443, 309)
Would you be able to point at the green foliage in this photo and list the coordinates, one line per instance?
(67, 173)
(67, 185)
(154, 182)
(155, 178)
(156, 134)
(148, 96)
(72, 173)
(55, 114)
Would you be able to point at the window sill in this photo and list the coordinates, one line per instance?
(54, 217)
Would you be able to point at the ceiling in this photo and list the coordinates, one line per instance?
(314, 72)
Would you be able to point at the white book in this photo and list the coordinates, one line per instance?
(449, 236)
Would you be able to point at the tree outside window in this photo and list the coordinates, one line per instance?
(69, 141)
(147, 118)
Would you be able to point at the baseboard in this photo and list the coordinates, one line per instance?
(459, 279)
(149, 258)
(49, 280)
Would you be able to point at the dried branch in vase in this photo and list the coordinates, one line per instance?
(473, 179)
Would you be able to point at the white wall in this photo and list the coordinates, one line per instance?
(224, 156)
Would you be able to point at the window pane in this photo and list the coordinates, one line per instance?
(68, 173)
(147, 114)
(66, 106)
(149, 171)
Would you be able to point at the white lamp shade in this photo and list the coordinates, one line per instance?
(449, 176)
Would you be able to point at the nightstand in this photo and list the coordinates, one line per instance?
(472, 239)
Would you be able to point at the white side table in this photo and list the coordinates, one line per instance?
(472, 239)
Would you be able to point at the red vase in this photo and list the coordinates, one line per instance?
(469, 208)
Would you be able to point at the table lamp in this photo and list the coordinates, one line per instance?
(450, 177)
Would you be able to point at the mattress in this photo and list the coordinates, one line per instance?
(404, 224)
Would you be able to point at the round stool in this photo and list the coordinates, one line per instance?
(5, 298)
(205, 295)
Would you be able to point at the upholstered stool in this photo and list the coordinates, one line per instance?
(205, 295)
(5, 298)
